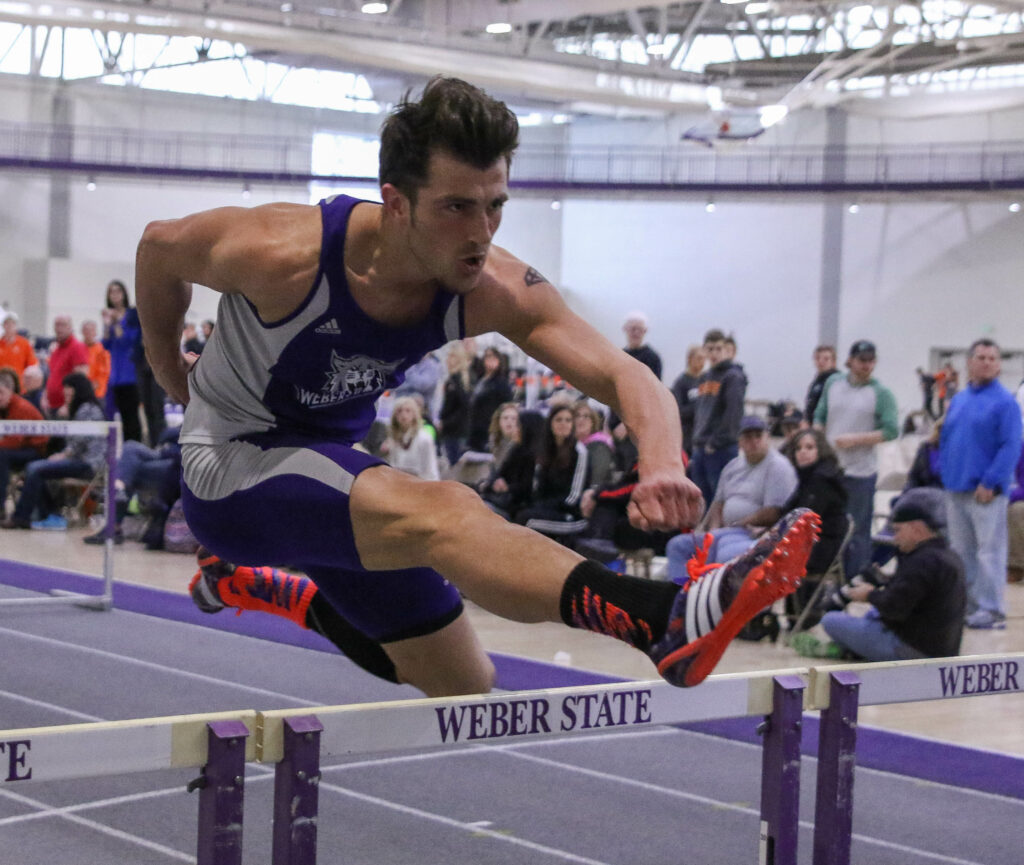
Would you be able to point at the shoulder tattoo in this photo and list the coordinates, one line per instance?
(532, 276)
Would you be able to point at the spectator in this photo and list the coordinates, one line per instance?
(423, 378)
(409, 447)
(16, 451)
(684, 389)
(207, 330)
(454, 415)
(67, 355)
(82, 458)
(635, 328)
(857, 414)
(190, 341)
(820, 488)
(504, 432)
(825, 366)
(753, 489)
(927, 381)
(560, 481)
(588, 427)
(1015, 519)
(32, 386)
(490, 392)
(509, 487)
(978, 452)
(16, 351)
(122, 337)
(141, 469)
(99, 359)
(919, 613)
(719, 410)
(925, 470)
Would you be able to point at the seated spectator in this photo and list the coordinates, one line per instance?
(589, 431)
(561, 479)
(510, 486)
(504, 432)
(82, 458)
(151, 472)
(919, 613)
(924, 471)
(489, 392)
(32, 383)
(820, 488)
(753, 488)
(16, 451)
(454, 414)
(16, 351)
(409, 447)
(99, 359)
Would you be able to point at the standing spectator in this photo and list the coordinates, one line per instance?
(409, 447)
(857, 414)
(719, 410)
(684, 389)
(978, 452)
(99, 359)
(82, 458)
(454, 414)
(825, 364)
(635, 328)
(16, 352)
(490, 392)
(122, 337)
(67, 355)
(16, 451)
(927, 392)
(947, 383)
(919, 613)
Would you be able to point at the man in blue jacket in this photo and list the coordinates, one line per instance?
(978, 451)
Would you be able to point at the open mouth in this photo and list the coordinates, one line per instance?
(474, 261)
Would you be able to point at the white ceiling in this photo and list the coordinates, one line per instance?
(796, 52)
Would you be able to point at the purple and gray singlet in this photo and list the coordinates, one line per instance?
(266, 443)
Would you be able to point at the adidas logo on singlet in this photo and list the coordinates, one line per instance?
(329, 327)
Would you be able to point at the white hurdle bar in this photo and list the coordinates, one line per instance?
(112, 431)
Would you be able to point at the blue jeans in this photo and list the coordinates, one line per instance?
(979, 534)
(860, 504)
(728, 543)
(37, 473)
(705, 469)
(868, 637)
(13, 458)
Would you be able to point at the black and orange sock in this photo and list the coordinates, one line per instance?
(635, 611)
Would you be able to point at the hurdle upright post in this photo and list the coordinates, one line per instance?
(780, 772)
(837, 756)
(221, 795)
(296, 793)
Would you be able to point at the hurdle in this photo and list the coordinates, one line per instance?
(219, 744)
(112, 431)
(838, 691)
(297, 742)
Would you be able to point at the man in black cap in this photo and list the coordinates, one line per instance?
(919, 613)
(857, 414)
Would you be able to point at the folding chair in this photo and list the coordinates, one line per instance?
(833, 577)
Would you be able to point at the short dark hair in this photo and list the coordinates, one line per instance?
(451, 116)
(984, 342)
(831, 349)
(714, 335)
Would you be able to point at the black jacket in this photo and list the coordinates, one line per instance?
(821, 489)
(925, 601)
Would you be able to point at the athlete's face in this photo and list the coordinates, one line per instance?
(454, 218)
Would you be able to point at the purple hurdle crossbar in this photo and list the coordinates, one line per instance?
(780, 773)
(837, 742)
(221, 795)
(296, 787)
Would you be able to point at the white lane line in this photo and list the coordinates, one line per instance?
(170, 852)
(150, 665)
(48, 811)
(53, 707)
(471, 828)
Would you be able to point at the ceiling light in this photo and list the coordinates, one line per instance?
(854, 208)
(756, 8)
(498, 27)
(287, 7)
(246, 192)
(556, 205)
(1015, 207)
(772, 114)
(90, 184)
(374, 8)
(709, 207)
(659, 50)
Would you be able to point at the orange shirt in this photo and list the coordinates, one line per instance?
(18, 354)
(99, 368)
(21, 409)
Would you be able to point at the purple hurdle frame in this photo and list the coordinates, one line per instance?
(296, 793)
(780, 772)
(837, 757)
(221, 795)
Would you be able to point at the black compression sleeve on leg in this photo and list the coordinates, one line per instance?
(632, 609)
(354, 644)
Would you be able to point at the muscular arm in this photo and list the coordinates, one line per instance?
(523, 306)
(268, 253)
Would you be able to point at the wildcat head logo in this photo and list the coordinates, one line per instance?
(349, 377)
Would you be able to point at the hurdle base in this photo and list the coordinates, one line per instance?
(102, 603)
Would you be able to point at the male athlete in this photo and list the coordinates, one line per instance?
(323, 308)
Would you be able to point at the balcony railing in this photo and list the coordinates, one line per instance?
(755, 167)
